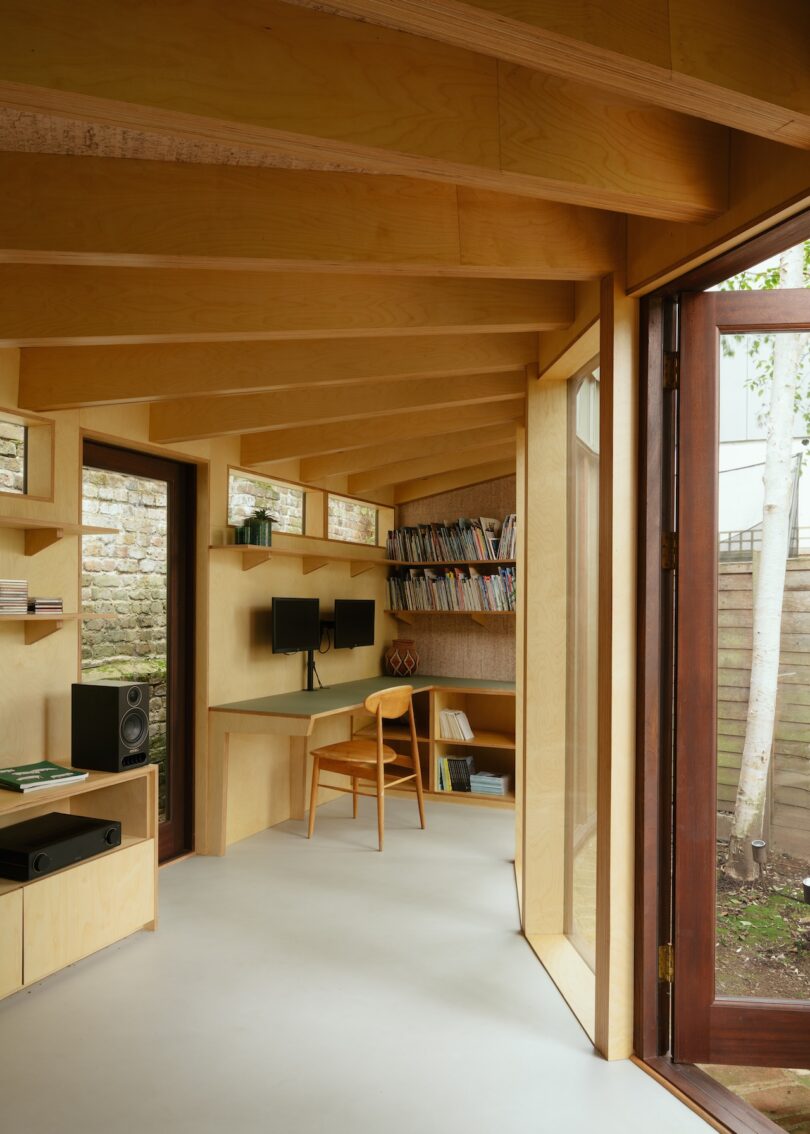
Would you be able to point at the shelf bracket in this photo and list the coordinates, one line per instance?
(479, 619)
(251, 559)
(360, 566)
(404, 616)
(35, 631)
(310, 563)
(37, 539)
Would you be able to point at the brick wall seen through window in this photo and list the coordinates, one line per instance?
(284, 501)
(12, 457)
(351, 521)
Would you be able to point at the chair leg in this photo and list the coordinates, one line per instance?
(420, 799)
(354, 797)
(380, 803)
(313, 795)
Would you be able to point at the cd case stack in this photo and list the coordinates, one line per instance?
(13, 596)
(44, 606)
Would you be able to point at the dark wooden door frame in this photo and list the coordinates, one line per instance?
(655, 683)
(175, 836)
(709, 1029)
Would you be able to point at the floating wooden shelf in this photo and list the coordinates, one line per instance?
(482, 739)
(38, 626)
(313, 553)
(40, 534)
(479, 616)
(450, 562)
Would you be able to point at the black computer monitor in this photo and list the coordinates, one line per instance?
(296, 625)
(354, 623)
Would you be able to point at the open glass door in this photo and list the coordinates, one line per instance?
(742, 780)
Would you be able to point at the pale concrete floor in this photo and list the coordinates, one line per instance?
(323, 988)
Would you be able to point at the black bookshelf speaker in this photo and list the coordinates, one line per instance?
(110, 725)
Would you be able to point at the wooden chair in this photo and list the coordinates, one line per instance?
(366, 759)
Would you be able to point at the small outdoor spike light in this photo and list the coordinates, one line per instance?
(806, 888)
(759, 849)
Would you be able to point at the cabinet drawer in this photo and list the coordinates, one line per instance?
(11, 924)
(72, 914)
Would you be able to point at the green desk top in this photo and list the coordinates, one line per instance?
(351, 694)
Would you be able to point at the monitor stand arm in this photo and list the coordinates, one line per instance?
(310, 671)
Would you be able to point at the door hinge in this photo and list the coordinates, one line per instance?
(666, 963)
(669, 551)
(672, 370)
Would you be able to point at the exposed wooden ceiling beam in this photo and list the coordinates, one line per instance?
(189, 418)
(446, 482)
(399, 472)
(353, 461)
(54, 378)
(322, 91)
(103, 211)
(703, 59)
(78, 306)
(319, 440)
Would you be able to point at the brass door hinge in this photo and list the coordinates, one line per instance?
(672, 370)
(666, 963)
(669, 551)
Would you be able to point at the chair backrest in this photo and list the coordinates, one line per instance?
(391, 703)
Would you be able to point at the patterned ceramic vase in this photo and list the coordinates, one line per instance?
(401, 658)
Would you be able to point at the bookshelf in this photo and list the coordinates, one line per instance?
(491, 714)
(465, 567)
(40, 534)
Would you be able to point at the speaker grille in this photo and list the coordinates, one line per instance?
(134, 728)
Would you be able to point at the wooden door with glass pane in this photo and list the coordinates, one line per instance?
(144, 575)
(732, 1003)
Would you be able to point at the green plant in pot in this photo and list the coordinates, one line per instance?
(258, 528)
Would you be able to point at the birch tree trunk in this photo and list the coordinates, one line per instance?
(749, 808)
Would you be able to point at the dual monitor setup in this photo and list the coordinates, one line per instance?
(298, 627)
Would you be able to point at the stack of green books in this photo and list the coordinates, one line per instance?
(43, 774)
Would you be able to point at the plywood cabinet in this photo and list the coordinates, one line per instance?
(51, 922)
(11, 959)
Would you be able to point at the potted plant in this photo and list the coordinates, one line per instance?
(257, 529)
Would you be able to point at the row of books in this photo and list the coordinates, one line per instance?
(453, 589)
(458, 773)
(481, 538)
(454, 725)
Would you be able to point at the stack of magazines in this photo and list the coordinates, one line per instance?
(465, 539)
(489, 783)
(42, 774)
(452, 589)
(13, 596)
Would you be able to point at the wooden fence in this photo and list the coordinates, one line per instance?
(789, 797)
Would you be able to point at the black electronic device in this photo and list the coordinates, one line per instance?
(110, 725)
(50, 842)
(296, 629)
(354, 623)
(296, 625)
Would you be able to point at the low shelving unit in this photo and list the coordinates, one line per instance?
(53, 921)
(492, 717)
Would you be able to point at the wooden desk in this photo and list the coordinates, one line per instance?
(294, 715)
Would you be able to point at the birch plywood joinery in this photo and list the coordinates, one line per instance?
(347, 260)
(51, 922)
